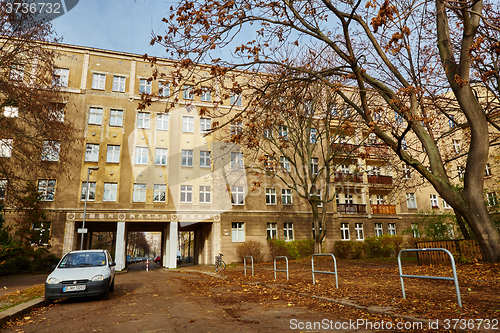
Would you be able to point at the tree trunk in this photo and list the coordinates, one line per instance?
(461, 225)
(317, 227)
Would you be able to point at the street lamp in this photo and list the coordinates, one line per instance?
(85, 204)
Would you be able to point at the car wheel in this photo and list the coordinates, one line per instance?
(112, 286)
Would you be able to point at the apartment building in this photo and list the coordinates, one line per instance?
(159, 169)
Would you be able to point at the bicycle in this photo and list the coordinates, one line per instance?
(220, 265)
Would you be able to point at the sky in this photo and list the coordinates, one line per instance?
(121, 25)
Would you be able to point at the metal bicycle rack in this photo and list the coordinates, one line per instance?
(245, 264)
(325, 272)
(454, 278)
(281, 270)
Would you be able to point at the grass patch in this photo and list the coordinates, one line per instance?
(20, 296)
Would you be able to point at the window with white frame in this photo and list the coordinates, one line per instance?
(118, 83)
(205, 125)
(110, 190)
(411, 201)
(235, 99)
(270, 196)
(487, 170)
(492, 199)
(98, 81)
(57, 112)
(113, 154)
(116, 118)
(344, 168)
(205, 194)
(51, 150)
(95, 116)
(358, 227)
(6, 147)
(236, 128)
(187, 92)
(288, 231)
(344, 231)
(314, 165)
(186, 193)
(286, 196)
(456, 146)
(379, 231)
(206, 95)
(162, 121)
(16, 72)
(143, 120)
(145, 86)
(187, 124)
(237, 195)
(446, 205)
(414, 230)
(406, 172)
(10, 111)
(163, 89)
(141, 155)
(139, 194)
(92, 152)
(348, 199)
(159, 193)
(91, 194)
(268, 133)
(205, 159)
(313, 134)
(271, 230)
(398, 118)
(460, 172)
(434, 201)
(379, 199)
(404, 145)
(285, 163)
(161, 156)
(3, 188)
(237, 231)
(372, 138)
(283, 131)
(186, 157)
(391, 228)
(47, 189)
(60, 77)
(236, 160)
(451, 121)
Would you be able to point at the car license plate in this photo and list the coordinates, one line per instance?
(78, 287)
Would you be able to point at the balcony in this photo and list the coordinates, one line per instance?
(379, 179)
(345, 148)
(347, 177)
(377, 151)
(351, 208)
(383, 209)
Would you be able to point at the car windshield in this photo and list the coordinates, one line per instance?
(83, 259)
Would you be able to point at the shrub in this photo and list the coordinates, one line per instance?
(250, 248)
(343, 249)
(292, 249)
(278, 247)
(305, 247)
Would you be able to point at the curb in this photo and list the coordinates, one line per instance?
(20, 309)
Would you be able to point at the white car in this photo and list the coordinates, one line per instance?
(80, 274)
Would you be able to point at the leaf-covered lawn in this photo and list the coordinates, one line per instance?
(20, 296)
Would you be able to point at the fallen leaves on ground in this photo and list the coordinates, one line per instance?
(20, 296)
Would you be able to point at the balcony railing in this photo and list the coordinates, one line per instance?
(345, 148)
(378, 179)
(351, 208)
(347, 177)
(384, 209)
(377, 151)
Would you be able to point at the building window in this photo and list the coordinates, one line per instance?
(16, 73)
(161, 156)
(379, 199)
(391, 227)
(91, 195)
(110, 190)
(492, 199)
(6, 147)
(314, 165)
(288, 231)
(40, 233)
(379, 231)
(143, 120)
(236, 128)
(139, 194)
(268, 133)
(10, 111)
(411, 201)
(406, 172)
(235, 99)
(313, 133)
(95, 116)
(487, 170)
(359, 231)
(238, 231)
(113, 154)
(92, 152)
(205, 125)
(116, 118)
(270, 196)
(56, 112)
(451, 121)
(186, 158)
(286, 196)
(348, 199)
(47, 189)
(186, 193)
(163, 89)
(187, 124)
(271, 231)
(162, 121)
(98, 81)
(283, 131)
(206, 95)
(434, 201)
(187, 92)
(3, 188)
(119, 83)
(160, 193)
(205, 159)
(205, 194)
(398, 118)
(236, 160)
(456, 146)
(344, 231)
(145, 86)
(50, 151)
(460, 172)
(285, 163)
(141, 155)
(404, 145)
(60, 77)
(446, 205)
(414, 230)
(237, 195)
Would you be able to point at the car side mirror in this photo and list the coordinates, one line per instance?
(112, 264)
